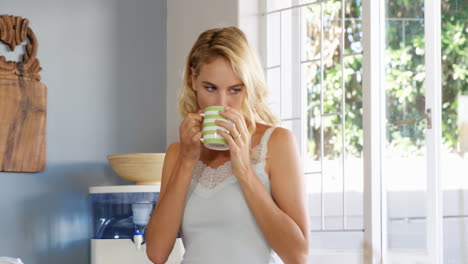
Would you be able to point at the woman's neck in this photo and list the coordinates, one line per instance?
(210, 154)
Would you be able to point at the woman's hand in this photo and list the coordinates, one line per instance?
(238, 140)
(189, 131)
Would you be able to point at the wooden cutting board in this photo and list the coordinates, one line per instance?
(22, 102)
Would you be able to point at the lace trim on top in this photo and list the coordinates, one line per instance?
(208, 179)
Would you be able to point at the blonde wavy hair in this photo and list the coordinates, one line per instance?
(231, 44)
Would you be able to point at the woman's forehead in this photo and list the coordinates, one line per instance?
(219, 72)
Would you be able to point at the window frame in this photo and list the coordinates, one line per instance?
(374, 113)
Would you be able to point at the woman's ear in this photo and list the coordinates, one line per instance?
(194, 79)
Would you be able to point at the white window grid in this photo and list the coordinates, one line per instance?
(296, 11)
(374, 197)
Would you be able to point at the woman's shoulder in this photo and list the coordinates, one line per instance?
(278, 132)
(280, 137)
(280, 142)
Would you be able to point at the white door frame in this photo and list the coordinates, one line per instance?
(375, 214)
(373, 86)
(432, 34)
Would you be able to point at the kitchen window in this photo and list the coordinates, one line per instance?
(379, 119)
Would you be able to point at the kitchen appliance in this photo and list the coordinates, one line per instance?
(120, 215)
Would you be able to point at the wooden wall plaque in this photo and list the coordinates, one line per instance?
(22, 102)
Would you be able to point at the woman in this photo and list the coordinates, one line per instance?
(242, 205)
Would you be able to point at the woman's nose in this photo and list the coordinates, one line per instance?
(222, 99)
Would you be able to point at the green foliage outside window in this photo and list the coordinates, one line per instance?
(404, 70)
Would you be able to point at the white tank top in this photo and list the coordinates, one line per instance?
(218, 226)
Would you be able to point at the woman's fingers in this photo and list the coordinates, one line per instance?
(194, 130)
(230, 127)
(238, 120)
(192, 120)
(227, 137)
(194, 116)
(190, 128)
(196, 137)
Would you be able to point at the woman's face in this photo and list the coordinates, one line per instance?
(217, 84)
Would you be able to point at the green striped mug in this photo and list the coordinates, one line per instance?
(211, 139)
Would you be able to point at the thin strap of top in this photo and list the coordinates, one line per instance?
(264, 142)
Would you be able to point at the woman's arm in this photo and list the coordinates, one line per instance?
(282, 217)
(176, 177)
(165, 222)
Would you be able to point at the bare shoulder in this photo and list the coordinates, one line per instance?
(281, 139)
(282, 148)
